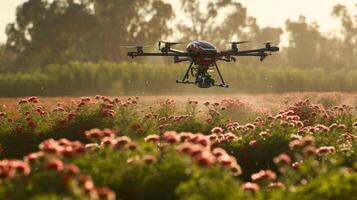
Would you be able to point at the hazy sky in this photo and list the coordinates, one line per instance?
(268, 12)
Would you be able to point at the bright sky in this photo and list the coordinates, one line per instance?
(267, 12)
(275, 12)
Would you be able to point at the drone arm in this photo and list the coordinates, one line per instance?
(227, 59)
(176, 51)
(178, 60)
(254, 54)
(137, 54)
(249, 52)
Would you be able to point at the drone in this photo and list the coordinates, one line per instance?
(203, 57)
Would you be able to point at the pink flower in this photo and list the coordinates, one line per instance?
(309, 150)
(107, 133)
(94, 134)
(276, 185)
(251, 187)
(282, 159)
(325, 150)
(217, 130)
(149, 159)
(224, 160)
(218, 152)
(23, 101)
(264, 175)
(32, 157)
(152, 138)
(55, 164)
(205, 158)
(184, 136)
(250, 126)
(171, 137)
(296, 144)
(122, 141)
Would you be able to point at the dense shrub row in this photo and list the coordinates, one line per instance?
(134, 79)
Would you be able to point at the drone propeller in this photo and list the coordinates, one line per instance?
(167, 45)
(269, 47)
(235, 44)
(139, 48)
(240, 42)
(268, 44)
(135, 46)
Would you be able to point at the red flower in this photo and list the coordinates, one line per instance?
(55, 164)
(23, 101)
(33, 156)
(107, 133)
(149, 159)
(32, 124)
(105, 193)
(72, 169)
(33, 99)
(253, 143)
(18, 128)
(295, 165)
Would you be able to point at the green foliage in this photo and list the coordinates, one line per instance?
(125, 78)
(332, 185)
(138, 180)
(175, 165)
(210, 184)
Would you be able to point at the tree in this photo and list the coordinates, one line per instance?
(86, 30)
(124, 21)
(218, 21)
(51, 32)
(348, 50)
(304, 42)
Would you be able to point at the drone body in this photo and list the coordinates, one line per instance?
(203, 57)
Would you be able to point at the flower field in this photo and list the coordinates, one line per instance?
(289, 146)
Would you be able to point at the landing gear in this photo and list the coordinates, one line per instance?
(203, 78)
